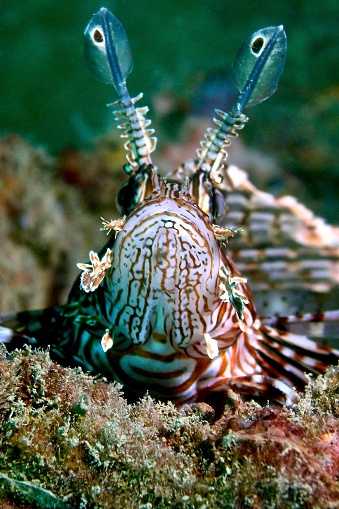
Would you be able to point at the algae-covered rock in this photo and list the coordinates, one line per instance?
(68, 439)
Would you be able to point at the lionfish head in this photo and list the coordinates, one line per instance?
(166, 263)
(165, 272)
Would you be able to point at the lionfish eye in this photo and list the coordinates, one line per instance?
(98, 36)
(257, 45)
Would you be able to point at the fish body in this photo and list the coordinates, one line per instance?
(162, 307)
(158, 320)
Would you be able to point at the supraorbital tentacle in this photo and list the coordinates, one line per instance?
(213, 147)
(140, 142)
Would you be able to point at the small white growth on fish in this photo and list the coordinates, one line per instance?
(106, 341)
(94, 272)
(211, 346)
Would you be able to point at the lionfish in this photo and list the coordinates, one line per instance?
(162, 307)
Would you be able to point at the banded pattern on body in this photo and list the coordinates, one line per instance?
(261, 362)
(159, 300)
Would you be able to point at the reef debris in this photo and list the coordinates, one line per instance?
(71, 440)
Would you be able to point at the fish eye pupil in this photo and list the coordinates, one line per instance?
(257, 45)
(97, 36)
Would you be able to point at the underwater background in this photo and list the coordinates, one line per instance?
(183, 52)
(68, 439)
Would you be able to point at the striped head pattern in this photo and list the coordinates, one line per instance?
(166, 281)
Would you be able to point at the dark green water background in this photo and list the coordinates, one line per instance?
(48, 95)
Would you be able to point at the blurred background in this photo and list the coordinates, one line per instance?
(183, 52)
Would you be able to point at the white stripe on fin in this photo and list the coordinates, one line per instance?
(6, 335)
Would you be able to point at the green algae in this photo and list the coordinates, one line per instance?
(31, 493)
(68, 439)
